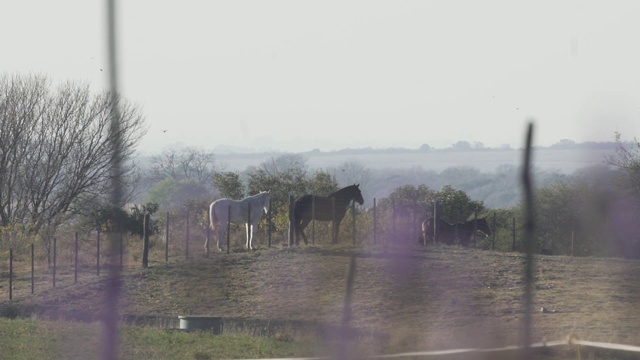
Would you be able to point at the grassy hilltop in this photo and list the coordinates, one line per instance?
(404, 298)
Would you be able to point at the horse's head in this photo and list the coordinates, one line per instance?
(483, 225)
(266, 196)
(358, 194)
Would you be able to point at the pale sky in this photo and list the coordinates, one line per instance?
(299, 75)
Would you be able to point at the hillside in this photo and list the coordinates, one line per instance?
(410, 298)
(558, 159)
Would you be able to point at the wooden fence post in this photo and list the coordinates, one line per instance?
(145, 240)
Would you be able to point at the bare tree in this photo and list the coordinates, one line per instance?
(54, 149)
(627, 158)
(185, 164)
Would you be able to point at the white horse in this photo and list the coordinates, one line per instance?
(247, 211)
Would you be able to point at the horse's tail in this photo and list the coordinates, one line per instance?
(213, 218)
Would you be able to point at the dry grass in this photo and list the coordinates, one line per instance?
(415, 298)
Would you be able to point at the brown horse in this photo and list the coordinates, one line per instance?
(327, 208)
(447, 233)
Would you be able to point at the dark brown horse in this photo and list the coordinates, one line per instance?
(327, 208)
(444, 232)
(448, 233)
(468, 228)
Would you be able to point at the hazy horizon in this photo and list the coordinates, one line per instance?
(295, 76)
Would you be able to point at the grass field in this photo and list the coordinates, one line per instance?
(405, 298)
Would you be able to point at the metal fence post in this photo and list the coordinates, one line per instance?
(493, 238)
(10, 274)
(269, 222)
(291, 221)
(208, 230)
(375, 223)
(186, 238)
(75, 260)
(353, 222)
(145, 240)
(313, 220)
(166, 238)
(32, 268)
(55, 243)
(513, 234)
(249, 227)
(228, 229)
(98, 253)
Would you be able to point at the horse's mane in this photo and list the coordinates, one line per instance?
(343, 190)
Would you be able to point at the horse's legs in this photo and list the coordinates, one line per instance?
(219, 236)
(249, 229)
(300, 230)
(336, 230)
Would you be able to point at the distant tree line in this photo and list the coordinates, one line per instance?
(55, 161)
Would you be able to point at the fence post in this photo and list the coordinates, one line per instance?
(228, 229)
(393, 219)
(291, 220)
(10, 274)
(475, 227)
(528, 242)
(435, 221)
(32, 269)
(333, 220)
(513, 234)
(375, 223)
(414, 216)
(313, 220)
(572, 237)
(145, 240)
(54, 260)
(75, 260)
(98, 253)
(121, 249)
(269, 222)
(208, 230)
(186, 238)
(249, 226)
(353, 222)
(166, 238)
(493, 238)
